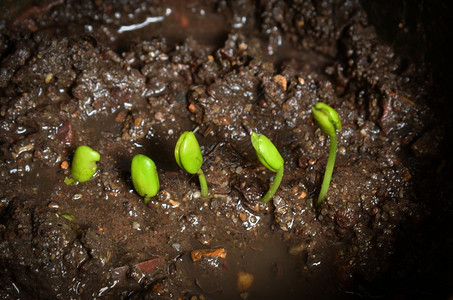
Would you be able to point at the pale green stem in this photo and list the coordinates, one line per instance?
(329, 170)
(203, 184)
(275, 184)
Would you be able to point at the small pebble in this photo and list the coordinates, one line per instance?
(138, 122)
(53, 205)
(243, 216)
(280, 80)
(296, 249)
(174, 203)
(49, 77)
(159, 116)
(136, 226)
(176, 246)
(244, 281)
(239, 170)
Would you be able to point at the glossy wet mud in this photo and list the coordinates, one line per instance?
(129, 79)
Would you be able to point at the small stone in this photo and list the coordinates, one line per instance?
(176, 246)
(311, 161)
(244, 281)
(253, 219)
(49, 77)
(159, 116)
(53, 205)
(239, 170)
(138, 121)
(296, 249)
(136, 226)
(302, 195)
(174, 203)
(281, 80)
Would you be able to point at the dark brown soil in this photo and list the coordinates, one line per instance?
(130, 78)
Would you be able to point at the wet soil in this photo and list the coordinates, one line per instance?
(130, 78)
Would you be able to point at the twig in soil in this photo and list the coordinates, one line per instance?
(269, 156)
(329, 122)
(144, 177)
(188, 156)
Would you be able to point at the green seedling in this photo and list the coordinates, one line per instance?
(188, 156)
(329, 122)
(83, 165)
(269, 156)
(144, 177)
(68, 217)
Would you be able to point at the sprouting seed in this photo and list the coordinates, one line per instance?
(144, 177)
(189, 158)
(83, 165)
(329, 122)
(269, 156)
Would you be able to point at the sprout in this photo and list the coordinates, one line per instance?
(83, 165)
(329, 122)
(269, 156)
(144, 177)
(68, 217)
(188, 156)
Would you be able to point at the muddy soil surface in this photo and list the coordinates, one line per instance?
(130, 78)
